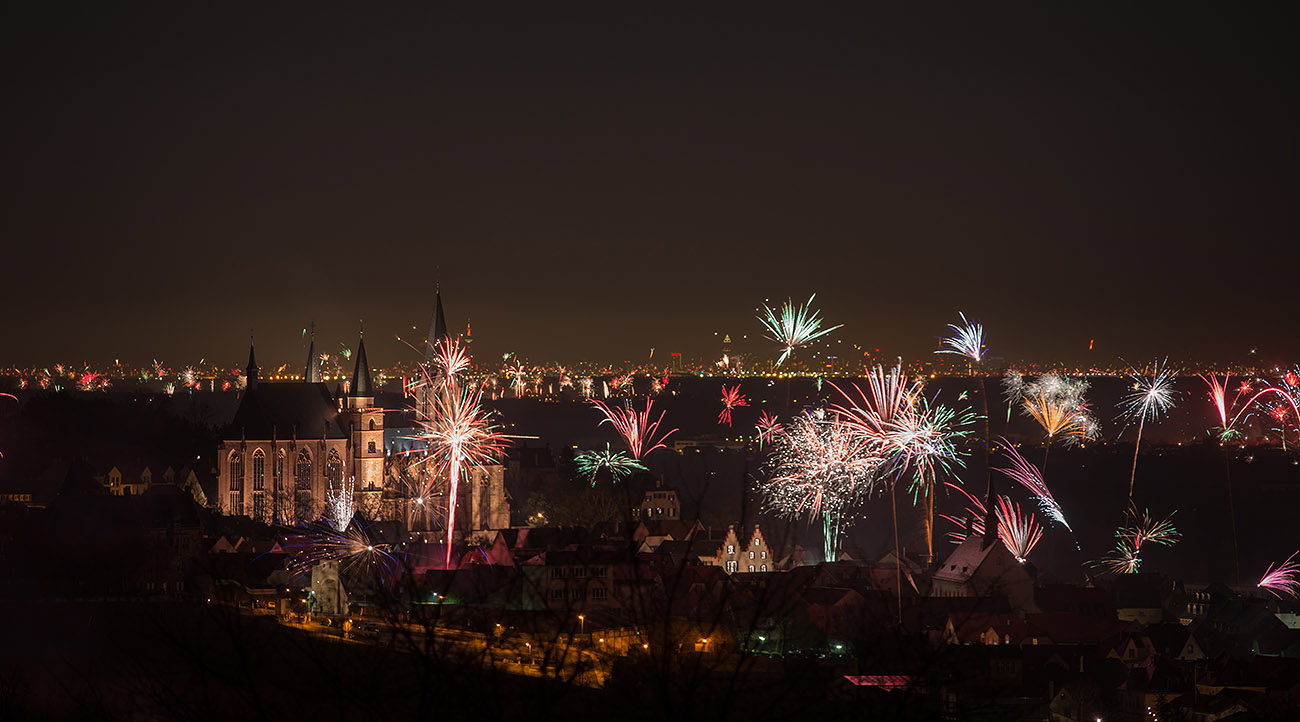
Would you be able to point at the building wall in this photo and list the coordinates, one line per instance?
(283, 505)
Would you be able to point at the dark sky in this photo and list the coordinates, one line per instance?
(592, 183)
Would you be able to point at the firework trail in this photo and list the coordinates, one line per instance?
(1152, 396)
(793, 326)
(639, 432)
(1284, 580)
(731, 399)
(620, 465)
(1140, 531)
(820, 468)
(460, 433)
(1028, 476)
(768, 428)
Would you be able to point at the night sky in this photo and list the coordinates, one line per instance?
(593, 183)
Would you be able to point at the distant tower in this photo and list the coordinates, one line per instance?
(469, 337)
(366, 432)
(312, 374)
(726, 344)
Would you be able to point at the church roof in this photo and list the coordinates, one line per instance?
(286, 409)
(361, 383)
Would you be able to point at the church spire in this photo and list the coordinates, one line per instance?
(437, 328)
(361, 384)
(313, 361)
(251, 371)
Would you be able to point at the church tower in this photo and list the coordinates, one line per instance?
(366, 432)
(312, 374)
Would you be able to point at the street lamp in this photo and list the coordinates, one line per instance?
(582, 626)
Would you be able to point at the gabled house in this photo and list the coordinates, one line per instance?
(976, 569)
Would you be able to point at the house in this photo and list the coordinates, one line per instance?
(658, 503)
(753, 555)
(977, 569)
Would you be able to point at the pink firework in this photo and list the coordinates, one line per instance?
(731, 399)
(1028, 476)
(768, 428)
(1284, 580)
(449, 360)
(459, 433)
(621, 383)
(638, 431)
(1018, 530)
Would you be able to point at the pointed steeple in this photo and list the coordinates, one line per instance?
(437, 328)
(251, 371)
(313, 361)
(361, 384)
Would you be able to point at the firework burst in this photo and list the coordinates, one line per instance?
(1058, 405)
(768, 428)
(1138, 534)
(820, 468)
(619, 464)
(459, 433)
(639, 432)
(967, 340)
(793, 326)
(731, 399)
(353, 548)
(341, 504)
(1284, 580)
(1152, 395)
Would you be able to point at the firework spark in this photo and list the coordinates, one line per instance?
(1226, 430)
(731, 399)
(793, 326)
(1284, 580)
(639, 432)
(620, 465)
(1018, 530)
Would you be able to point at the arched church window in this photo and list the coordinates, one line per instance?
(372, 424)
(302, 471)
(277, 472)
(333, 470)
(259, 470)
(236, 471)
